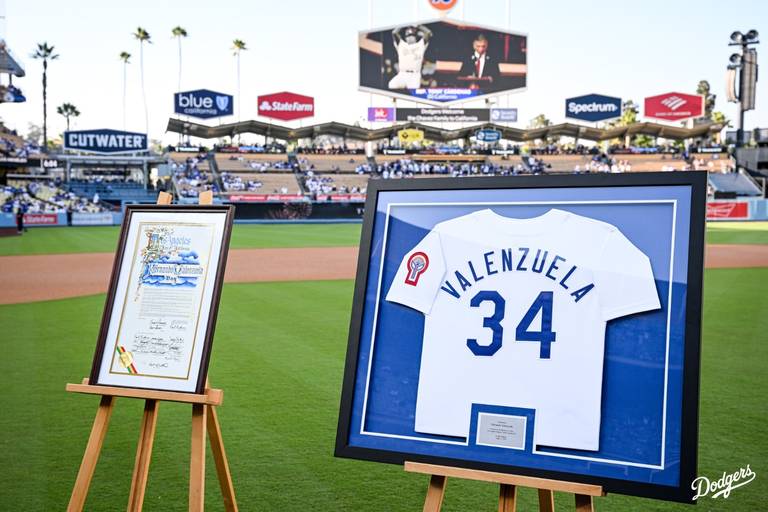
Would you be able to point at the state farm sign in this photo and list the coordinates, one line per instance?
(286, 106)
(674, 106)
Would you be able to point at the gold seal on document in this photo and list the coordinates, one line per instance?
(126, 359)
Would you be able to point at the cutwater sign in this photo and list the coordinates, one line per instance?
(105, 141)
(593, 107)
(202, 103)
(488, 135)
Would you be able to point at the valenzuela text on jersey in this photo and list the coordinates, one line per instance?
(521, 259)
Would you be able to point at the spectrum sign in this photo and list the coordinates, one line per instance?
(286, 106)
(674, 106)
(203, 104)
(593, 107)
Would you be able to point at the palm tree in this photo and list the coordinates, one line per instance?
(178, 33)
(238, 45)
(720, 118)
(125, 57)
(45, 53)
(67, 110)
(143, 36)
(703, 88)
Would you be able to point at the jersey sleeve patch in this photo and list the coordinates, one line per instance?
(418, 263)
(419, 275)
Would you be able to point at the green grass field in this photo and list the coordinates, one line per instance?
(245, 236)
(737, 233)
(279, 355)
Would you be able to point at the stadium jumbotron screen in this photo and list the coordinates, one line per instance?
(442, 61)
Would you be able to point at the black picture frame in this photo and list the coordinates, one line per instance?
(109, 303)
(692, 345)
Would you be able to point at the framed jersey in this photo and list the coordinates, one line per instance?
(544, 325)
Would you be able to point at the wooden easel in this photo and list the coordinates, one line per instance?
(507, 487)
(204, 418)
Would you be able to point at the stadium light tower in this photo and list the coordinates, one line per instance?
(746, 63)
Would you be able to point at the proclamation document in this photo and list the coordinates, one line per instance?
(158, 328)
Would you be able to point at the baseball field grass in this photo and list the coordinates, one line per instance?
(252, 236)
(279, 355)
(244, 236)
(737, 233)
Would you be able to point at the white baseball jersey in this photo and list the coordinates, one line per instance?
(515, 314)
(410, 56)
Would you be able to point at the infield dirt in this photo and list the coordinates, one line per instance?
(48, 277)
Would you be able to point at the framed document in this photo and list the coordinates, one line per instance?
(163, 297)
(545, 326)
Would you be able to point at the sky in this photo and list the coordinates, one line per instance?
(625, 49)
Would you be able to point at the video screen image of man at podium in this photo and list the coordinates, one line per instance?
(479, 67)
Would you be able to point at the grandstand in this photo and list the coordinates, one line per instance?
(36, 196)
(333, 163)
(261, 162)
(269, 183)
(192, 175)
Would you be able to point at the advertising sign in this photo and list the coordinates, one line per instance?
(286, 106)
(12, 159)
(488, 135)
(342, 198)
(189, 149)
(504, 115)
(203, 104)
(450, 115)
(410, 136)
(40, 219)
(593, 107)
(534, 327)
(262, 198)
(674, 106)
(441, 62)
(381, 114)
(105, 141)
(92, 219)
(731, 210)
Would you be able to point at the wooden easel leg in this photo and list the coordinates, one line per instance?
(546, 500)
(220, 458)
(197, 459)
(435, 493)
(584, 503)
(507, 497)
(143, 456)
(91, 456)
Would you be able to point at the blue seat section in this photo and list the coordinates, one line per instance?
(115, 191)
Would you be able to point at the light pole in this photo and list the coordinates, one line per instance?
(746, 63)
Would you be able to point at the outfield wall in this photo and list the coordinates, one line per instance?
(8, 220)
(306, 211)
(738, 209)
(298, 211)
